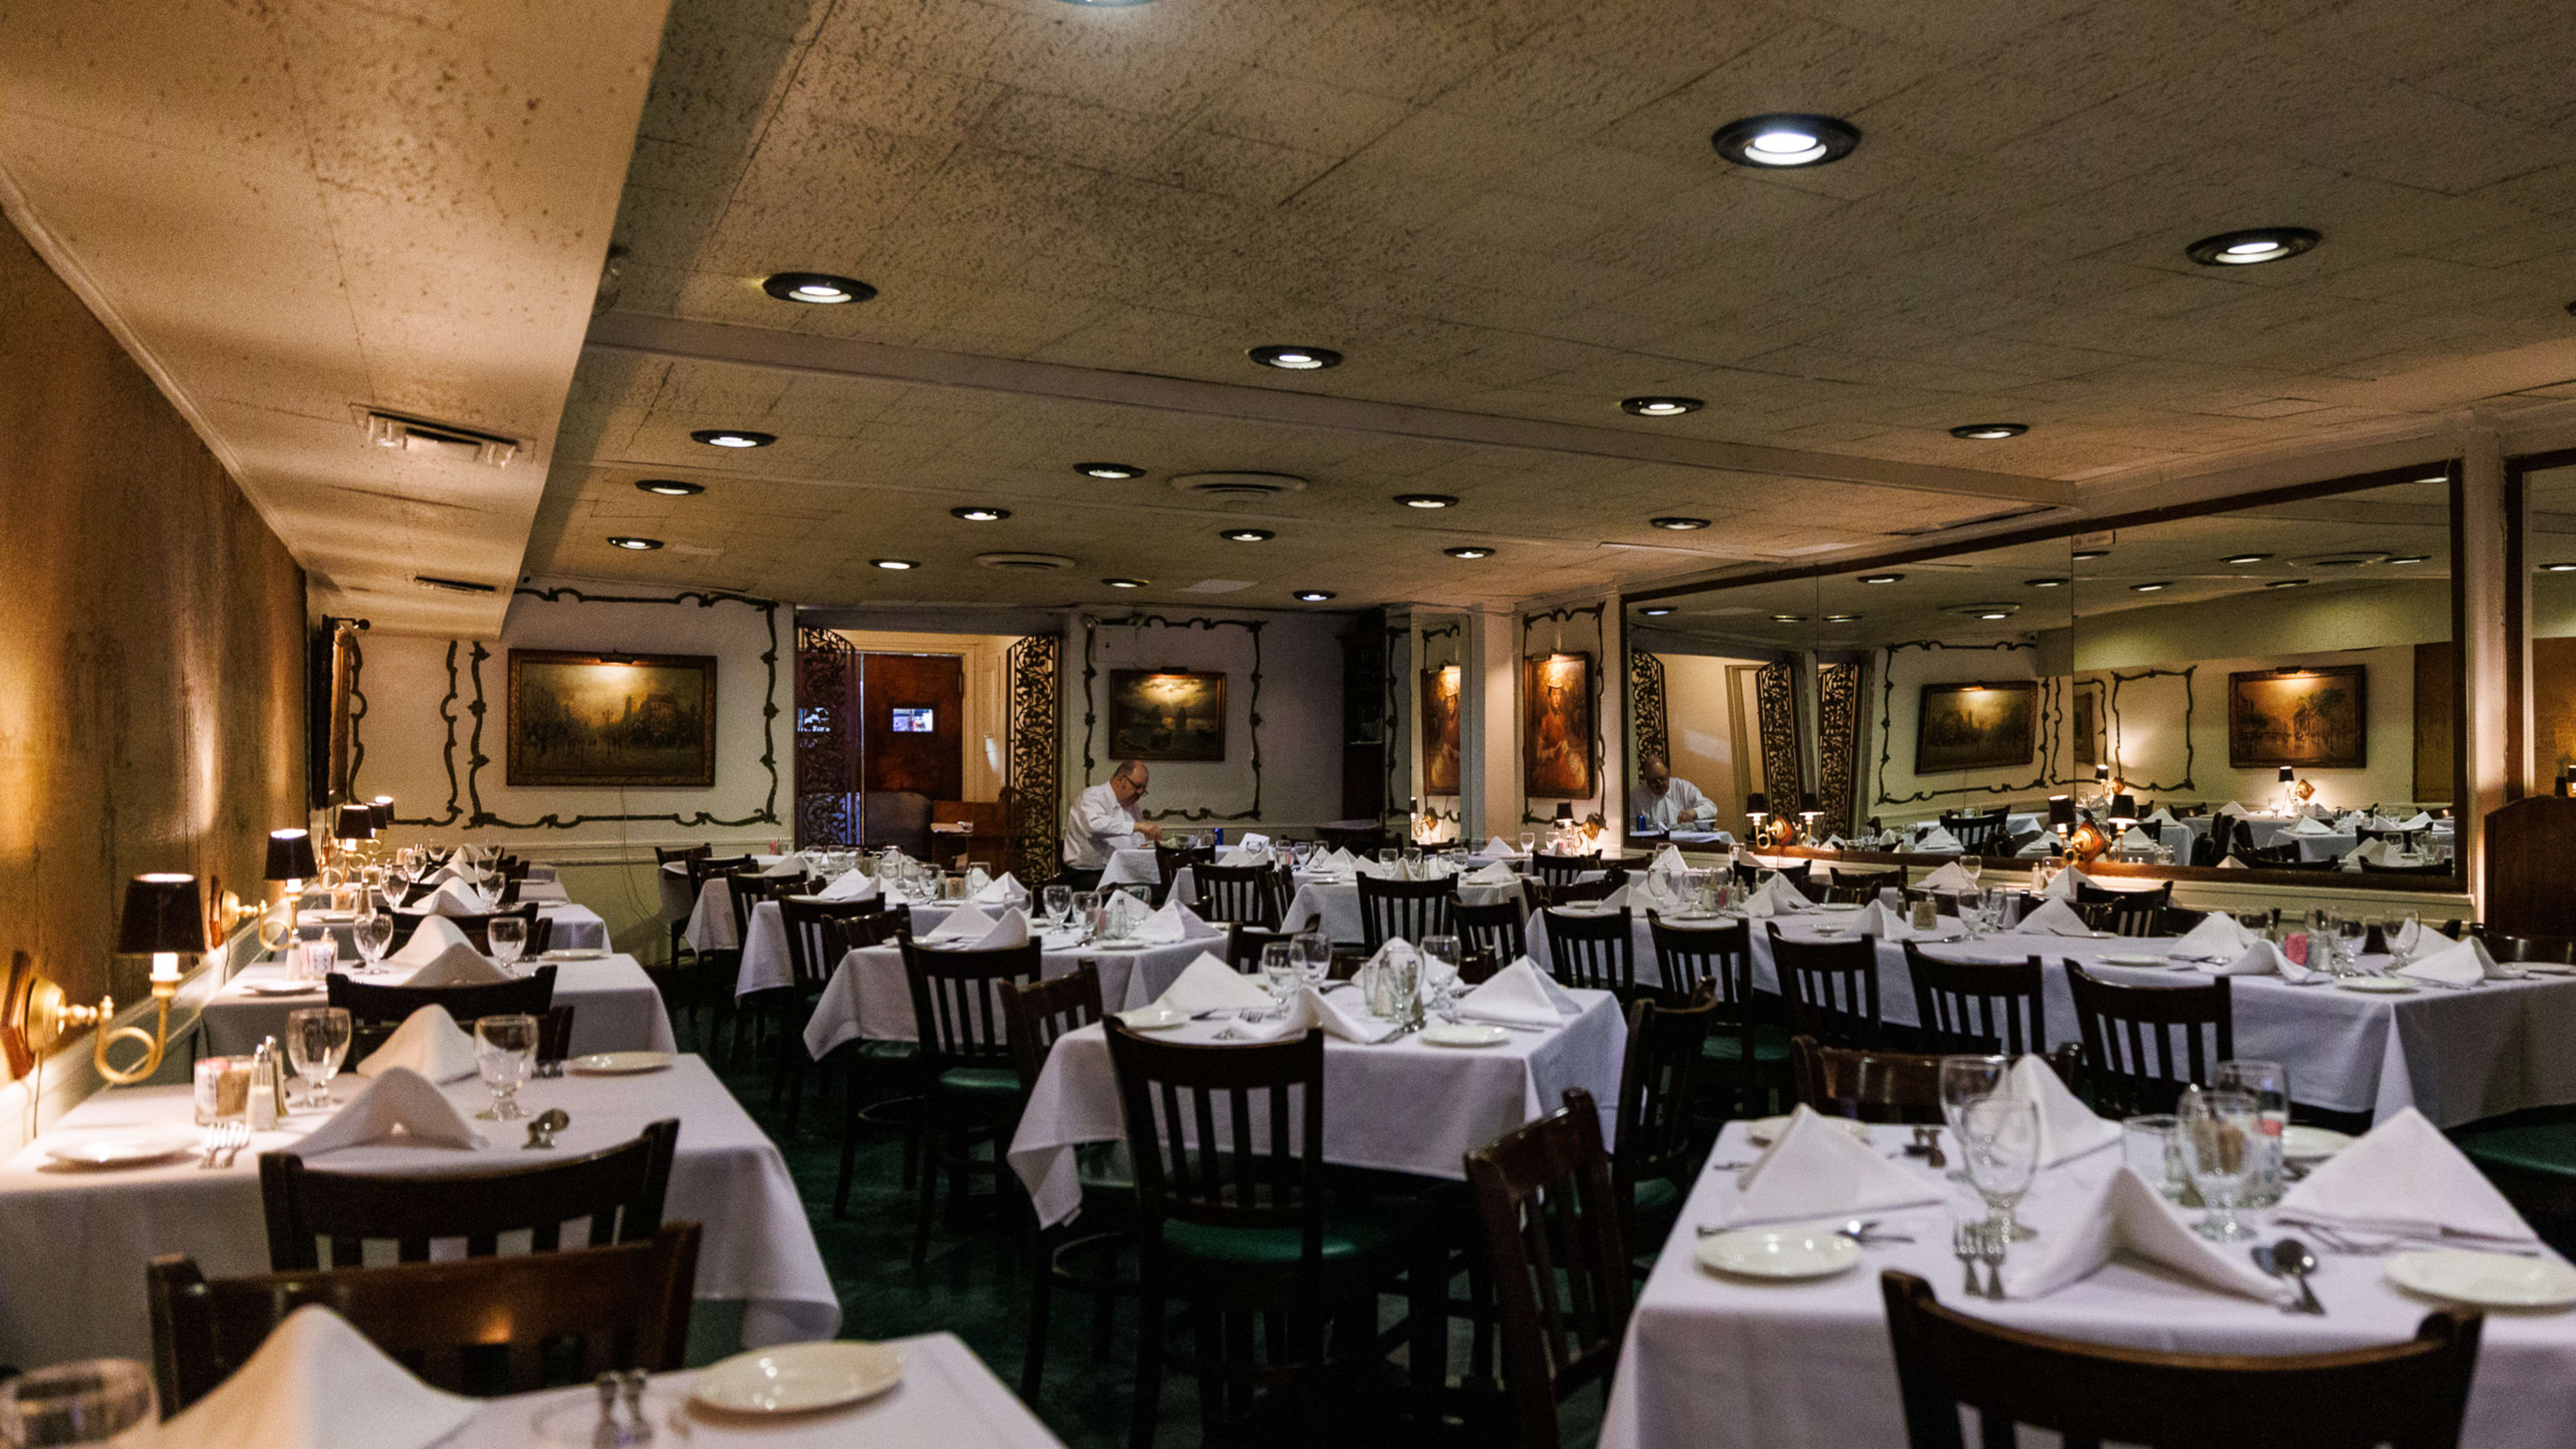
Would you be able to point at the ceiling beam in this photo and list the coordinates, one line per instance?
(677, 339)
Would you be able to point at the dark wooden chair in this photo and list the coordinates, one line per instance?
(1831, 987)
(1248, 1235)
(2176, 920)
(477, 928)
(965, 1066)
(484, 1326)
(1748, 1058)
(1490, 938)
(1749, 875)
(1860, 889)
(2127, 913)
(1561, 870)
(1651, 1169)
(2144, 1044)
(376, 1008)
(709, 982)
(1593, 953)
(881, 1089)
(1867, 1085)
(1244, 894)
(2410, 1395)
(896, 818)
(1549, 1216)
(811, 959)
(2548, 950)
(1978, 1009)
(1243, 946)
(619, 1189)
(1977, 834)
(1406, 910)
(1167, 871)
(1037, 1015)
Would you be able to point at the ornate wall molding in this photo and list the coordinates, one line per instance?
(1091, 627)
(1646, 705)
(1775, 696)
(2190, 706)
(825, 662)
(2052, 716)
(1035, 741)
(1600, 686)
(1839, 696)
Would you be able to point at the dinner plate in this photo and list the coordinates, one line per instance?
(2132, 958)
(1767, 1130)
(2490, 1280)
(1838, 906)
(1465, 1034)
(1779, 1253)
(1157, 1017)
(123, 1150)
(2547, 968)
(797, 1378)
(2312, 1144)
(279, 986)
(619, 1064)
(576, 953)
(2376, 985)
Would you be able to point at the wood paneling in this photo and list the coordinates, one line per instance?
(151, 670)
(932, 764)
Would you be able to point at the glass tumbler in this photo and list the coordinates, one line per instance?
(90, 1401)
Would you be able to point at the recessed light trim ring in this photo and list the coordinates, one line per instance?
(979, 514)
(897, 565)
(1989, 432)
(816, 289)
(670, 487)
(1677, 524)
(1246, 535)
(1109, 472)
(1312, 596)
(1660, 407)
(1469, 551)
(1785, 140)
(732, 438)
(633, 544)
(2252, 246)
(1289, 357)
(1427, 500)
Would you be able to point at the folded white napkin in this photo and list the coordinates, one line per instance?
(317, 1383)
(1341, 858)
(962, 924)
(2463, 963)
(1005, 891)
(1668, 858)
(1132, 867)
(2063, 887)
(2162, 816)
(2262, 958)
(1494, 873)
(2216, 938)
(1127, 915)
(2311, 825)
(1875, 919)
(454, 898)
(1208, 984)
(458, 965)
(2404, 1179)
(1497, 847)
(1236, 857)
(2136, 838)
(2232, 808)
(429, 1042)
(1936, 840)
(1817, 1169)
(850, 887)
(1253, 840)
(1327, 1010)
(2417, 821)
(2053, 918)
(785, 865)
(2349, 820)
(401, 1107)
(1173, 924)
(1374, 871)
(2037, 846)
(2067, 1128)
(2126, 1215)
(1519, 994)
(429, 941)
(1776, 897)
(1947, 878)
(2232, 863)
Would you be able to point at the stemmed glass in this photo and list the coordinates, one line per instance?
(2218, 1150)
(509, 937)
(1059, 901)
(2001, 1137)
(1314, 957)
(1529, 842)
(2400, 931)
(375, 933)
(1389, 855)
(1972, 912)
(317, 1040)
(1964, 1079)
(2352, 932)
(1439, 970)
(1279, 973)
(505, 1053)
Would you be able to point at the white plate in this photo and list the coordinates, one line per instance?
(1779, 1253)
(277, 986)
(796, 1378)
(2376, 985)
(1767, 1130)
(1465, 1034)
(576, 953)
(2491, 1280)
(2128, 958)
(1156, 1017)
(127, 1150)
(619, 1064)
(1833, 930)
(2312, 1144)
(1839, 906)
(2547, 968)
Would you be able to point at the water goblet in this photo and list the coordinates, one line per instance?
(374, 933)
(505, 1054)
(2219, 1131)
(1973, 867)
(1440, 956)
(1389, 855)
(2401, 931)
(2000, 1134)
(1279, 973)
(2269, 1084)
(508, 936)
(1059, 901)
(1529, 842)
(1972, 912)
(317, 1040)
(1314, 956)
(1964, 1079)
(2352, 932)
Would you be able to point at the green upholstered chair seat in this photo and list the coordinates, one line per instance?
(2541, 1141)
(1346, 1236)
(1656, 1197)
(981, 1083)
(1770, 1044)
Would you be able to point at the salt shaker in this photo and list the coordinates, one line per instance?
(264, 1086)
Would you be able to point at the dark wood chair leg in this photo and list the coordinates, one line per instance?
(1041, 1303)
(934, 1147)
(1149, 1355)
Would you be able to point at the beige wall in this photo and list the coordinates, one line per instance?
(1701, 723)
(985, 661)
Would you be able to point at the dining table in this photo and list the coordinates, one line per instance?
(1711, 1358)
(1329, 901)
(573, 925)
(73, 1239)
(615, 1005)
(868, 995)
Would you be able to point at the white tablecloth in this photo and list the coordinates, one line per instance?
(711, 914)
(575, 926)
(1715, 1361)
(868, 996)
(1333, 905)
(73, 1243)
(615, 1007)
(1401, 1105)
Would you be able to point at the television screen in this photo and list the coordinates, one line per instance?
(912, 721)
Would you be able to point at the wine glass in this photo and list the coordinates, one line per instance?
(1439, 968)
(2269, 1083)
(505, 1053)
(1389, 855)
(1279, 973)
(2352, 932)
(1314, 957)
(374, 934)
(1972, 912)
(317, 1041)
(1059, 901)
(1963, 1080)
(2218, 1150)
(90, 1401)
(1973, 867)
(2001, 1134)
(508, 936)
(2401, 931)
(1529, 842)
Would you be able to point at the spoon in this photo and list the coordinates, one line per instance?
(542, 1128)
(2293, 1258)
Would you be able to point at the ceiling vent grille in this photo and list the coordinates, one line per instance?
(438, 440)
(1033, 562)
(1237, 487)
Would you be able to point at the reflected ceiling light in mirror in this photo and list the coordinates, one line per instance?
(2043, 583)
(979, 514)
(1842, 618)
(2252, 246)
(670, 487)
(1295, 359)
(1660, 407)
(1126, 583)
(1657, 612)
(1110, 471)
(2558, 568)
(820, 289)
(2087, 555)
(634, 545)
(1788, 618)
(1427, 500)
(2285, 583)
(1469, 551)
(2412, 558)
(1880, 578)
(1785, 139)
(1678, 524)
(1246, 535)
(2156, 587)
(1983, 610)
(2245, 558)
(1312, 596)
(898, 565)
(1989, 432)
(732, 438)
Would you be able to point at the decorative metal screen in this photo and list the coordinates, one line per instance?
(826, 796)
(1776, 689)
(1646, 697)
(1036, 758)
(1839, 688)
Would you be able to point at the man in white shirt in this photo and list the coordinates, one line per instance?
(1667, 803)
(1103, 822)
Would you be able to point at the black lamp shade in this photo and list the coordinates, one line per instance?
(2124, 807)
(1807, 804)
(381, 811)
(2061, 812)
(1565, 810)
(290, 855)
(2288, 774)
(356, 822)
(2101, 772)
(162, 914)
(1757, 803)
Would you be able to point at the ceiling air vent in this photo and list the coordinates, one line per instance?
(439, 440)
(1032, 562)
(454, 586)
(1237, 487)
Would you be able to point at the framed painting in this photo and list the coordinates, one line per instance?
(612, 719)
(1166, 714)
(1556, 726)
(2087, 698)
(1976, 726)
(1440, 730)
(2311, 719)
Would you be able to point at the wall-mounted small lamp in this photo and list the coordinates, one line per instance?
(290, 864)
(2124, 810)
(165, 919)
(381, 812)
(2061, 815)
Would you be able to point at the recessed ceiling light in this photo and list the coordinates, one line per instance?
(2245, 558)
(1788, 618)
(1996, 614)
(822, 289)
(1842, 618)
(1125, 583)
(2044, 583)
(638, 545)
(670, 487)
(1660, 407)
(1678, 525)
(2087, 555)
(2151, 588)
(1785, 139)
(896, 564)
(732, 438)
(2558, 568)
(2245, 248)
(1312, 596)
(1427, 500)
(1111, 471)
(1657, 612)
(1989, 432)
(2412, 558)
(1880, 578)
(2285, 583)
(1246, 535)
(1469, 551)
(980, 515)
(1296, 359)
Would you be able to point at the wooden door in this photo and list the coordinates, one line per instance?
(914, 736)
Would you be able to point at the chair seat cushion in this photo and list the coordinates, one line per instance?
(1770, 1044)
(2541, 1141)
(1347, 1235)
(1656, 1197)
(872, 1049)
(988, 1083)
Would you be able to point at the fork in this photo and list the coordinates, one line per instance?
(214, 1143)
(234, 1141)
(1965, 1240)
(1990, 1249)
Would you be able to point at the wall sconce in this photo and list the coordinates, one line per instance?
(2061, 815)
(2124, 810)
(381, 812)
(165, 918)
(291, 864)
(352, 826)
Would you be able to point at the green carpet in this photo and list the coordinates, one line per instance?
(975, 1286)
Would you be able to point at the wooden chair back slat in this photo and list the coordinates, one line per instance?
(1592, 952)
(1980, 1009)
(1831, 987)
(1187, 1172)
(376, 1009)
(1246, 894)
(1550, 1218)
(1489, 939)
(810, 957)
(1655, 1080)
(2144, 1044)
(1866, 1085)
(1406, 910)
(957, 1002)
(1036, 1014)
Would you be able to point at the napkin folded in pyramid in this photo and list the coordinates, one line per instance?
(1668, 858)
(429, 1042)
(1817, 1169)
(2232, 808)
(1173, 924)
(2216, 938)
(2262, 958)
(2062, 887)
(851, 887)
(401, 1108)
(1132, 867)
(453, 898)
(429, 940)
(1236, 857)
(1497, 847)
(2232, 862)
(317, 1383)
(1520, 994)
(1253, 840)
(2052, 918)
(2037, 846)
(2126, 1215)
(459, 965)
(2373, 851)
(1493, 873)
(2067, 1128)
(1875, 919)
(1313, 1010)
(2417, 821)
(2136, 838)
(964, 923)
(1376, 870)
(2404, 1179)
(2462, 963)
(2162, 816)
(2311, 825)
(1776, 897)
(1005, 890)
(1208, 984)
(1948, 878)
(1338, 858)
(785, 865)
(1937, 840)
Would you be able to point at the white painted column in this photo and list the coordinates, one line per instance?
(2485, 652)
(1613, 723)
(1489, 775)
